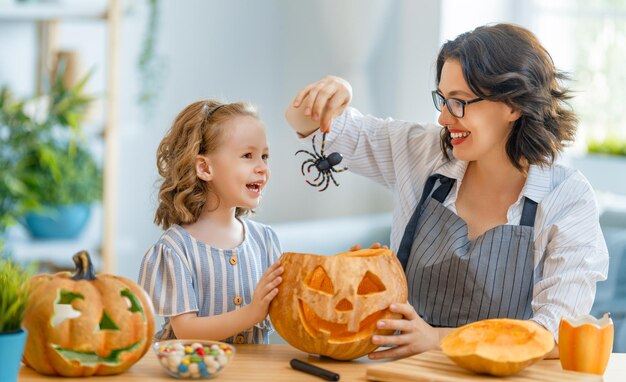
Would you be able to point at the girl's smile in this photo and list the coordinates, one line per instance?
(255, 189)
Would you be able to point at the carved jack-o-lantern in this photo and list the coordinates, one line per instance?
(329, 305)
(82, 324)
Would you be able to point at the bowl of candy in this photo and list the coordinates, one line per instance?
(193, 359)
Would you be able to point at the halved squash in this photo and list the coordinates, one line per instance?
(499, 346)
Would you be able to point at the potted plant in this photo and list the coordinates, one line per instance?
(66, 186)
(55, 176)
(13, 297)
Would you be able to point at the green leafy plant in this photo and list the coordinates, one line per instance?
(13, 294)
(43, 154)
(14, 196)
(609, 146)
(60, 175)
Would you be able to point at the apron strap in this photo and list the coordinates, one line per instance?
(441, 193)
(409, 232)
(528, 213)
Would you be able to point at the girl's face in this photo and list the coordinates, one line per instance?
(238, 169)
(484, 129)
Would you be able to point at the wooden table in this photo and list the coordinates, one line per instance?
(271, 363)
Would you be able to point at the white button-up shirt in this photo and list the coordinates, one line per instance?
(570, 253)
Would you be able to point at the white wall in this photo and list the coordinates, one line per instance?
(262, 52)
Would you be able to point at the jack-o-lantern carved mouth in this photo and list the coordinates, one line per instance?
(91, 358)
(337, 332)
(321, 284)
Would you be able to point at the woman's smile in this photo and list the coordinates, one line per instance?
(458, 136)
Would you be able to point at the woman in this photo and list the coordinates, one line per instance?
(485, 223)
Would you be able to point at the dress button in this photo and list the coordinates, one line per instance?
(233, 260)
(239, 339)
(238, 300)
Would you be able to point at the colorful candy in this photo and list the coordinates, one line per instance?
(193, 360)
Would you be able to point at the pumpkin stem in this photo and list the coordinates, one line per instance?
(84, 267)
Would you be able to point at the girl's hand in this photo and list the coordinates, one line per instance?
(416, 335)
(265, 291)
(324, 100)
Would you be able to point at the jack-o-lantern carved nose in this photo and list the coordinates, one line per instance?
(344, 305)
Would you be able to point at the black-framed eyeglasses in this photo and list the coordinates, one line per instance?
(456, 106)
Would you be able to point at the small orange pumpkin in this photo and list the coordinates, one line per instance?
(329, 305)
(81, 324)
(498, 346)
(585, 343)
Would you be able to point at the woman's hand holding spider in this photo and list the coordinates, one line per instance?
(324, 100)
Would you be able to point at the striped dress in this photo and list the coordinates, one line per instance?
(182, 274)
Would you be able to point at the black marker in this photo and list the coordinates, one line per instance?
(314, 370)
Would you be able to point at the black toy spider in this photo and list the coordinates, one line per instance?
(324, 165)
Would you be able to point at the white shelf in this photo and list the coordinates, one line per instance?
(51, 11)
(24, 248)
(49, 14)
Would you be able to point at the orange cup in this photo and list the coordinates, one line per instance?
(585, 343)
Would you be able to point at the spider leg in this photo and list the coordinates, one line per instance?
(323, 143)
(318, 176)
(317, 184)
(314, 148)
(306, 152)
(308, 169)
(305, 162)
(327, 179)
(333, 178)
(340, 170)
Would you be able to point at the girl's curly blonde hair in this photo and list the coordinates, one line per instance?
(197, 130)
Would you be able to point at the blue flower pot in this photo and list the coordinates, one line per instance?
(11, 350)
(58, 222)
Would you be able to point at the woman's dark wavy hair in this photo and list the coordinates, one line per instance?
(506, 63)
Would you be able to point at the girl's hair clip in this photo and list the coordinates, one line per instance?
(208, 113)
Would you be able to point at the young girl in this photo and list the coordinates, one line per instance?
(212, 274)
(485, 223)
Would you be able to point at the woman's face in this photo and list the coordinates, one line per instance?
(484, 129)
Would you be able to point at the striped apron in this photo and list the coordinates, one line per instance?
(452, 280)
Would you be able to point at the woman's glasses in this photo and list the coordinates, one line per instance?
(456, 107)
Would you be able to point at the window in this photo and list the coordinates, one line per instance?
(587, 38)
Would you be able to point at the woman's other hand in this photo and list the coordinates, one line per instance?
(416, 336)
(317, 104)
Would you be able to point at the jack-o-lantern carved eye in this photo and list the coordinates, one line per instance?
(63, 309)
(134, 305)
(319, 280)
(370, 284)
